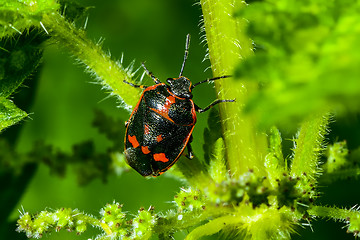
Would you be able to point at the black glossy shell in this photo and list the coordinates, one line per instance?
(158, 130)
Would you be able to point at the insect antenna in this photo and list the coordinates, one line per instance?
(187, 44)
(209, 80)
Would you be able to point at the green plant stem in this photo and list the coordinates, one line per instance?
(228, 44)
(331, 212)
(107, 70)
(213, 227)
(350, 216)
(181, 221)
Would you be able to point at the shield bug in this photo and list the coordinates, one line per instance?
(161, 124)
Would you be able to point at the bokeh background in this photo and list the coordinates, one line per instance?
(65, 100)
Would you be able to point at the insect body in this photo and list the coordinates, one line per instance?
(162, 122)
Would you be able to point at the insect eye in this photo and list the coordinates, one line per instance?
(170, 81)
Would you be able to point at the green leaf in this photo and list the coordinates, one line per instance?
(309, 146)
(16, 16)
(9, 113)
(306, 59)
(337, 157)
(274, 160)
(19, 57)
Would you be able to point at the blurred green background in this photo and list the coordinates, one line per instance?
(63, 111)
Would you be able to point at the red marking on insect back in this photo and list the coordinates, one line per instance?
(160, 157)
(159, 138)
(164, 110)
(146, 129)
(134, 142)
(193, 113)
(170, 100)
(145, 149)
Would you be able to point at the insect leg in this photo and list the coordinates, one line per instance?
(190, 154)
(156, 80)
(201, 110)
(209, 80)
(134, 85)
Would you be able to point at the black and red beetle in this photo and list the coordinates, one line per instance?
(162, 122)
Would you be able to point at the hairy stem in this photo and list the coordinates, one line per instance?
(183, 221)
(97, 62)
(228, 44)
(213, 226)
(332, 212)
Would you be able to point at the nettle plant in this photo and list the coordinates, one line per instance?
(295, 65)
